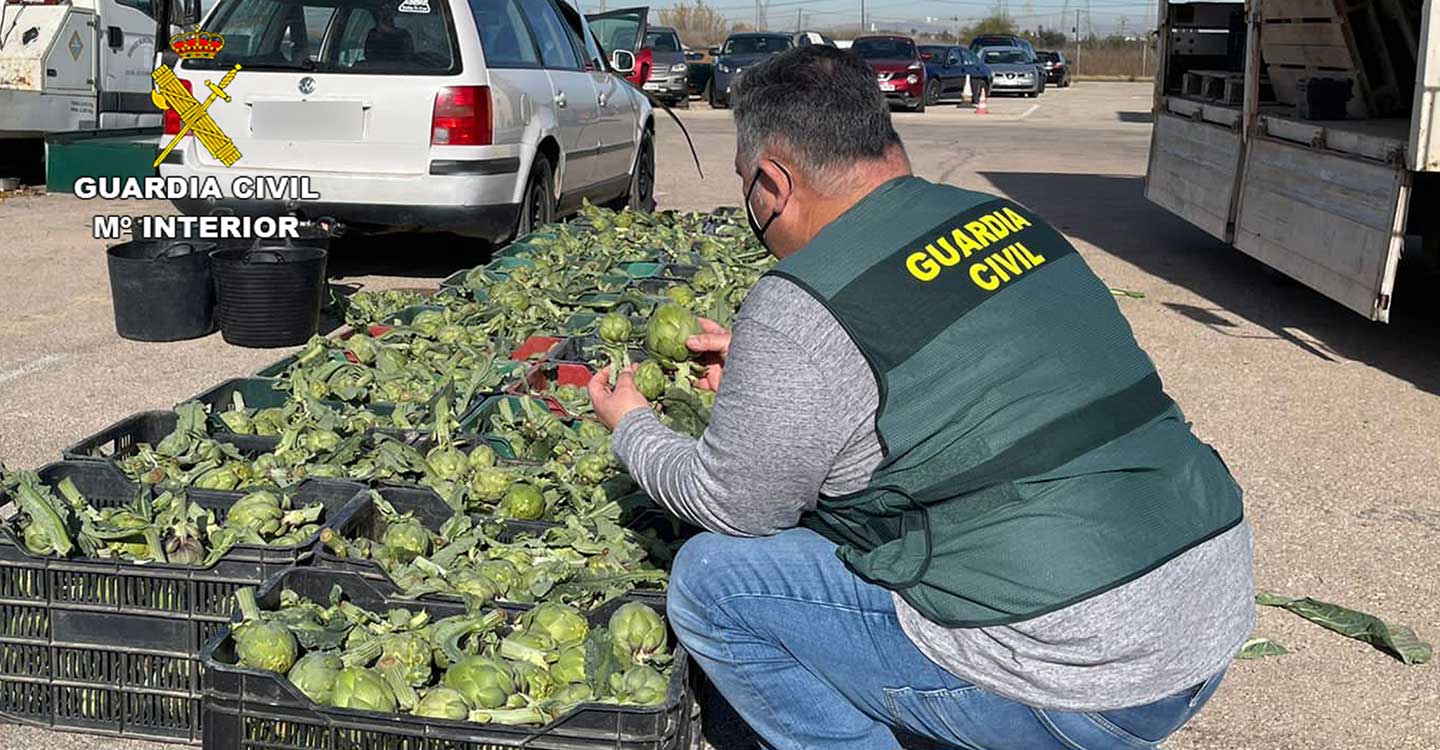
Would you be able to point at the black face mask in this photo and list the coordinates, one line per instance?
(755, 225)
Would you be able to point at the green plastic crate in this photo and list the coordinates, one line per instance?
(119, 153)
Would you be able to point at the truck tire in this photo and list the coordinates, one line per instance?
(537, 203)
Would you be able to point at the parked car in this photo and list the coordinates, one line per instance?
(948, 70)
(701, 71)
(1006, 40)
(669, 78)
(739, 52)
(1057, 68)
(1000, 40)
(1014, 71)
(898, 68)
(483, 117)
(617, 30)
(804, 38)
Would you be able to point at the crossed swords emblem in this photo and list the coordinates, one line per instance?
(170, 93)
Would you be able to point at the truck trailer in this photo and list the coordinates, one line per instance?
(1304, 133)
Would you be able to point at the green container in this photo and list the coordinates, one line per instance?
(478, 419)
(642, 270)
(119, 153)
(278, 367)
(509, 263)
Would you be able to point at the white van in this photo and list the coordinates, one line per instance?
(482, 117)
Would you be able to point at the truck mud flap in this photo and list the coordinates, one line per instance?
(1331, 222)
(1192, 172)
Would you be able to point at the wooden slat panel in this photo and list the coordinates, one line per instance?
(1317, 56)
(1192, 172)
(1323, 219)
(1298, 9)
(1288, 34)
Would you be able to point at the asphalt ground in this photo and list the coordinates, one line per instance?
(1330, 422)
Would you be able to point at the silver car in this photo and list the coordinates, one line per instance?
(1015, 69)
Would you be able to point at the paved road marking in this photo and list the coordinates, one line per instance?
(1027, 112)
(36, 365)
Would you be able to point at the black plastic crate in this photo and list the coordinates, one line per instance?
(432, 512)
(112, 647)
(260, 393)
(247, 709)
(122, 438)
(583, 349)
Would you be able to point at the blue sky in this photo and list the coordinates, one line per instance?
(1105, 15)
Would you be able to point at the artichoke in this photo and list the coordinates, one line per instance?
(258, 511)
(446, 462)
(569, 696)
(681, 295)
(592, 469)
(639, 685)
(406, 539)
(522, 501)
(570, 667)
(638, 632)
(314, 674)
(589, 430)
(650, 379)
(362, 348)
(412, 651)
(615, 328)
(484, 682)
(705, 279)
(470, 582)
(490, 484)
(481, 456)
(363, 690)
(562, 623)
(502, 573)
(669, 328)
(443, 703)
(428, 322)
(260, 643)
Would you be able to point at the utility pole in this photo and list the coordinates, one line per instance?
(1077, 42)
(799, 19)
(863, 28)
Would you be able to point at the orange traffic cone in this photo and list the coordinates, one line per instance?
(982, 108)
(968, 95)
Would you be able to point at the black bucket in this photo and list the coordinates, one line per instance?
(162, 289)
(307, 235)
(269, 295)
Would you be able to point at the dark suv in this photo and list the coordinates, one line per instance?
(1057, 68)
(669, 78)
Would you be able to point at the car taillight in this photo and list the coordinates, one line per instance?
(462, 117)
(172, 118)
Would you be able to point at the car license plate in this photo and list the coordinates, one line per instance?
(654, 86)
(887, 86)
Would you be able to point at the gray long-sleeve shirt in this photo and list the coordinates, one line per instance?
(795, 419)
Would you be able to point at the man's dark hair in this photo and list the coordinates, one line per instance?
(820, 105)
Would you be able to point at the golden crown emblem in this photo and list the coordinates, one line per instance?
(197, 45)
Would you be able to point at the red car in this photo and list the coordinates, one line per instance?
(898, 68)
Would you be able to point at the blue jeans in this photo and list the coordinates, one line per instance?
(813, 658)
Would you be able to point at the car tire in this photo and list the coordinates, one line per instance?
(932, 92)
(641, 195)
(917, 106)
(715, 102)
(537, 204)
(708, 94)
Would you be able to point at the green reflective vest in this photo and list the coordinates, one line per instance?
(1031, 458)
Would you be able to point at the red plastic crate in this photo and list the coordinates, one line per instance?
(538, 382)
(533, 346)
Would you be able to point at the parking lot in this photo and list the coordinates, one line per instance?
(1330, 423)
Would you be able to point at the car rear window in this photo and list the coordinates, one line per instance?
(1048, 56)
(932, 52)
(1003, 56)
(755, 45)
(395, 37)
(884, 49)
